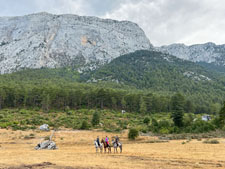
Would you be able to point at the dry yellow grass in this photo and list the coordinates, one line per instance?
(76, 150)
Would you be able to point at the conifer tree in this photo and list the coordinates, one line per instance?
(177, 102)
(45, 102)
(222, 115)
(143, 107)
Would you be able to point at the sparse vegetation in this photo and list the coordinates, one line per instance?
(214, 141)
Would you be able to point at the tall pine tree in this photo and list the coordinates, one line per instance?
(143, 107)
(45, 102)
(178, 102)
(222, 115)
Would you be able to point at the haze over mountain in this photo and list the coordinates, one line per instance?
(46, 40)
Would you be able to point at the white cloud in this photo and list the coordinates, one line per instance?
(176, 21)
(164, 21)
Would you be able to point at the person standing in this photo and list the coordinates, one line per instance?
(107, 141)
(98, 141)
(117, 140)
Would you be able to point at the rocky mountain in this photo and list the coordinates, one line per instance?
(208, 52)
(46, 40)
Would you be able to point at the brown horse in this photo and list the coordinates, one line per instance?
(106, 146)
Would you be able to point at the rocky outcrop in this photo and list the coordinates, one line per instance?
(208, 52)
(46, 40)
(44, 127)
(50, 145)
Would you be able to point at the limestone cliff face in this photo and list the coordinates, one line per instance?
(208, 52)
(46, 40)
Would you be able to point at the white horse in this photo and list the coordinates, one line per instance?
(115, 146)
(98, 147)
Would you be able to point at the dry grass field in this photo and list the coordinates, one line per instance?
(76, 151)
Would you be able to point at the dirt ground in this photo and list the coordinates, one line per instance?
(77, 151)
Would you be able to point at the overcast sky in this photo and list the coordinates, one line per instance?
(164, 21)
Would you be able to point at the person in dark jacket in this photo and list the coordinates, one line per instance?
(117, 140)
(98, 141)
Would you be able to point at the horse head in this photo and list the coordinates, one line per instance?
(95, 143)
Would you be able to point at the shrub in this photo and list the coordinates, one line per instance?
(211, 141)
(164, 131)
(117, 130)
(84, 125)
(146, 120)
(133, 134)
(95, 119)
(164, 124)
(1, 116)
(29, 136)
(26, 137)
(154, 122)
(200, 126)
(144, 130)
(32, 135)
(47, 138)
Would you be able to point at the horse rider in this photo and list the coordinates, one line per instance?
(107, 141)
(117, 140)
(98, 141)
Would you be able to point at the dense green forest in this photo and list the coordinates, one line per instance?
(144, 82)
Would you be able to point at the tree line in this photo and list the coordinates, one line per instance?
(53, 97)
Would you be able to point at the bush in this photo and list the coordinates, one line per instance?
(1, 116)
(95, 119)
(211, 141)
(164, 131)
(146, 120)
(200, 126)
(84, 125)
(144, 130)
(133, 134)
(154, 122)
(164, 124)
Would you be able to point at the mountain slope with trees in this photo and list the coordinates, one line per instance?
(143, 82)
(162, 73)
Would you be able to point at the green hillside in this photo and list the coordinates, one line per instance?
(162, 73)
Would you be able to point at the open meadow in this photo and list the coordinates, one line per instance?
(76, 150)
